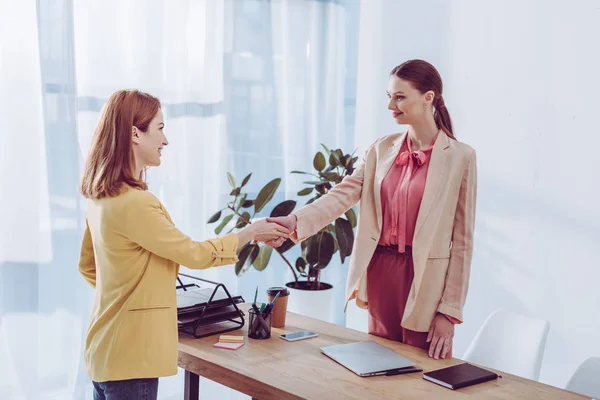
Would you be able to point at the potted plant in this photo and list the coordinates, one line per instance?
(317, 251)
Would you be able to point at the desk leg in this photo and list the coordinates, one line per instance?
(192, 386)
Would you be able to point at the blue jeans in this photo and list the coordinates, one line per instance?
(130, 389)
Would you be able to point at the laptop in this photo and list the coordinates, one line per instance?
(369, 359)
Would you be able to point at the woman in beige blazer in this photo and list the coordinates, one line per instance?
(417, 191)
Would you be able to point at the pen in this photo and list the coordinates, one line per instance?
(255, 294)
(266, 310)
(275, 298)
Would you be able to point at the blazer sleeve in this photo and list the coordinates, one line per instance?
(148, 225)
(461, 253)
(87, 260)
(317, 215)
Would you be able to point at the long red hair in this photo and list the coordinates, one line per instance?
(111, 162)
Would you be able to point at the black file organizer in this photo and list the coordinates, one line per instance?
(206, 317)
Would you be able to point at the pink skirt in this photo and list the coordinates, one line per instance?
(389, 278)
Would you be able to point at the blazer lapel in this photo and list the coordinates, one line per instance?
(435, 178)
(383, 166)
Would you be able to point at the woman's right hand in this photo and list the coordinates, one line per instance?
(263, 231)
(289, 222)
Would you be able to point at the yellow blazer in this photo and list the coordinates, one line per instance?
(130, 254)
(443, 241)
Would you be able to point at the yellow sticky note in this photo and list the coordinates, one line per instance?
(231, 338)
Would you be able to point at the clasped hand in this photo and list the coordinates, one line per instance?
(269, 232)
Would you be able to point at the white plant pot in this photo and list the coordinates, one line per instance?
(311, 303)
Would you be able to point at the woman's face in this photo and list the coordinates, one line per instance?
(148, 145)
(407, 104)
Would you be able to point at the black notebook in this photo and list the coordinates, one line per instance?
(460, 376)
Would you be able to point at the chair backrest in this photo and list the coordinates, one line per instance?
(510, 342)
(586, 379)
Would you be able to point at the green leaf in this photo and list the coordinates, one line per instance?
(343, 160)
(214, 218)
(313, 182)
(246, 257)
(348, 162)
(326, 149)
(319, 161)
(305, 191)
(231, 180)
(264, 255)
(304, 173)
(330, 176)
(320, 249)
(242, 222)
(288, 244)
(342, 228)
(351, 216)
(248, 204)
(225, 221)
(243, 254)
(304, 246)
(253, 254)
(266, 194)
(241, 202)
(301, 265)
(333, 160)
(283, 209)
(323, 188)
(235, 192)
(246, 179)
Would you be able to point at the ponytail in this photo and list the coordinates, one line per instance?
(442, 117)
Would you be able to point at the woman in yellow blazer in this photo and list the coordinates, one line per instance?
(131, 253)
(430, 234)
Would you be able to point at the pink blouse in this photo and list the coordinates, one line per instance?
(401, 193)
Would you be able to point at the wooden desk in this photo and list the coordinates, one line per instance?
(274, 369)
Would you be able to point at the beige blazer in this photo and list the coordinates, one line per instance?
(443, 241)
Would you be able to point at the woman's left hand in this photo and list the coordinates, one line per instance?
(441, 333)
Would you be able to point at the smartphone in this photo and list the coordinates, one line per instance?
(294, 336)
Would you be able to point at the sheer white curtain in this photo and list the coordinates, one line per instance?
(25, 227)
(521, 84)
(246, 87)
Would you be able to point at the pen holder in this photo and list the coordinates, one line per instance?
(259, 325)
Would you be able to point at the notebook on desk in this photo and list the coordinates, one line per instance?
(460, 376)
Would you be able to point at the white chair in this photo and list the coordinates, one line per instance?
(586, 379)
(510, 342)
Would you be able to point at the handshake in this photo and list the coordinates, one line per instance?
(271, 231)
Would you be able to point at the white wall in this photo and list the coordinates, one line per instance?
(522, 85)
